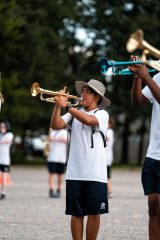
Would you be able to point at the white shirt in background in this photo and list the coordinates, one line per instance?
(109, 147)
(5, 144)
(57, 146)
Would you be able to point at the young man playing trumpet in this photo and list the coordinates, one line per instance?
(86, 192)
(151, 168)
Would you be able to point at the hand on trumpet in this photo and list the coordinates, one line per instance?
(140, 70)
(61, 100)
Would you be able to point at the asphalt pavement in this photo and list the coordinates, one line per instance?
(29, 214)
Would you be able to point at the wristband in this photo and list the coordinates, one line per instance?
(69, 105)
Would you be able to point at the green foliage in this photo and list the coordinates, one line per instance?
(38, 43)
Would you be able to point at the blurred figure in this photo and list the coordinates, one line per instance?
(151, 167)
(109, 155)
(6, 138)
(1, 100)
(56, 159)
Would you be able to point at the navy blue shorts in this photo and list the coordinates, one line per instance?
(57, 168)
(4, 168)
(86, 198)
(151, 176)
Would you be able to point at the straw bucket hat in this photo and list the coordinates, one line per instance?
(97, 86)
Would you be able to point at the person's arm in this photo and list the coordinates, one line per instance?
(58, 139)
(59, 123)
(7, 138)
(84, 118)
(5, 141)
(56, 121)
(155, 89)
(141, 72)
(137, 97)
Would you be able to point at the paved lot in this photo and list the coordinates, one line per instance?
(28, 213)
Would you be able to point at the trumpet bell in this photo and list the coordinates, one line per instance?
(104, 65)
(135, 41)
(35, 89)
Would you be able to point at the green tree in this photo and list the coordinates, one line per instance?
(39, 42)
(111, 24)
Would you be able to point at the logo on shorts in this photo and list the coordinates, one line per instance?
(103, 205)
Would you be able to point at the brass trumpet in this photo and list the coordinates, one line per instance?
(136, 41)
(35, 90)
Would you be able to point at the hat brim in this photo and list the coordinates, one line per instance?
(79, 85)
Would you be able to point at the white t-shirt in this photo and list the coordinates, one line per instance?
(154, 142)
(86, 163)
(5, 148)
(57, 146)
(109, 147)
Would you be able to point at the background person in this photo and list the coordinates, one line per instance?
(56, 160)
(6, 139)
(151, 167)
(109, 155)
(86, 175)
(1, 100)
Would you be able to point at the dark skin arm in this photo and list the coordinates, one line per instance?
(142, 74)
(137, 98)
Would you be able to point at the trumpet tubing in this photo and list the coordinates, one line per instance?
(35, 90)
(105, 64)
